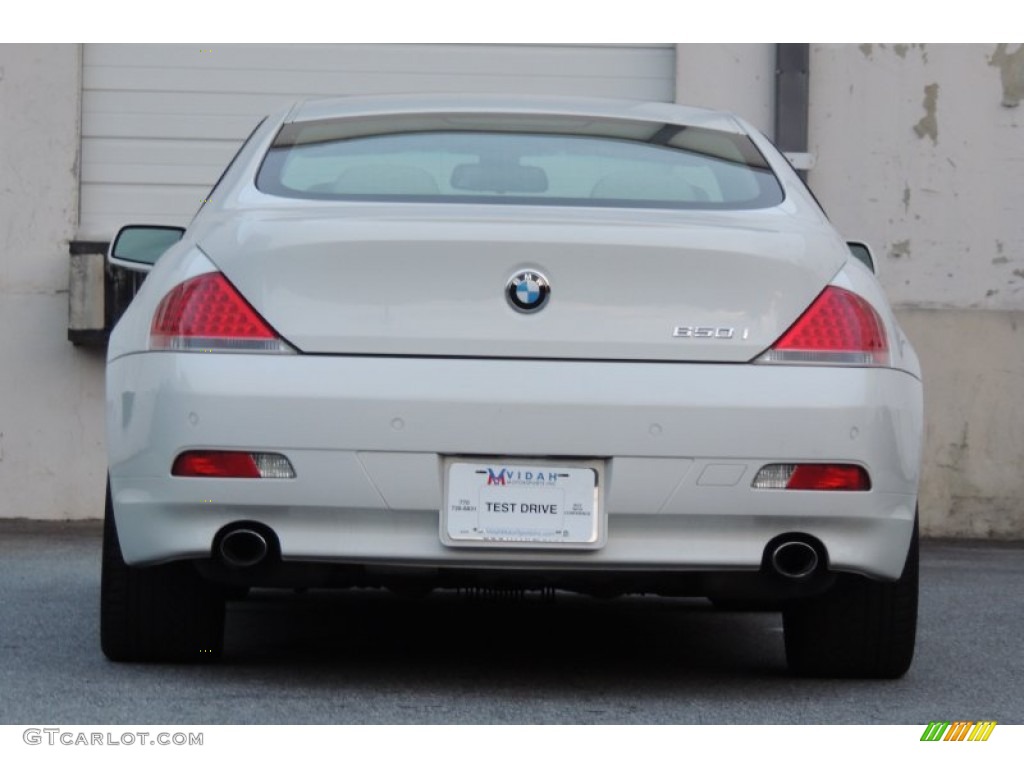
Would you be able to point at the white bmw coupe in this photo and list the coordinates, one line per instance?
(543, 344)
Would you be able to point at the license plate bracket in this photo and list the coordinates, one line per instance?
(523, 503)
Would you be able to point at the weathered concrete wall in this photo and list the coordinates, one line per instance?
(973, 481)
(51, 410)
(920, 151)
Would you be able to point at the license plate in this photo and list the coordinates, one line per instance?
(523, 504)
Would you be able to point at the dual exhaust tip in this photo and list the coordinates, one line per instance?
(247, 546)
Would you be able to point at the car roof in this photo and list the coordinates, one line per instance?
(484, 104)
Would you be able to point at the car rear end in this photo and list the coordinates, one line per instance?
(444, 352)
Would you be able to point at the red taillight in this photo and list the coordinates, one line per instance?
(206, 313)
(840, 327)
(215, 464)
(829, 477)
(232, 464)
(813, 477)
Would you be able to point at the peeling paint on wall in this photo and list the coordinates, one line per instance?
(1011, 72)
(1000, 258)
(900, 49)
(929, 125)
(900, 249)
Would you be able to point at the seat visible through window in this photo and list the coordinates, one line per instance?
(657, 186)
(384, 180)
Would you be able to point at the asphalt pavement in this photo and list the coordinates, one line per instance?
(367, 657)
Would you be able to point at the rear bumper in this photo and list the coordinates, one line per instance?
(367, 437)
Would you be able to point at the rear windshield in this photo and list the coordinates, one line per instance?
(672, 167)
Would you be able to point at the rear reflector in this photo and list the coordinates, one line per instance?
(207, 314)
(232, 464)
(839, 328)
(813, 477)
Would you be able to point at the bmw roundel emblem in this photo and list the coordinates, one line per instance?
(527, 291)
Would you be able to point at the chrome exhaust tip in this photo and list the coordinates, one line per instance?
(243, 548)
(794, 559)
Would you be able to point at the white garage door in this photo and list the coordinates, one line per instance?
(159, 122)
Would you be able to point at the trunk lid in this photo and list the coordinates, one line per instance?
(431, 279)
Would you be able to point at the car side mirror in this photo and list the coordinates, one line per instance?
(137, 247)
(862, 252)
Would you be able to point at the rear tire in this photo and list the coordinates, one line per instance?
(860, 628)
(156, 613)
